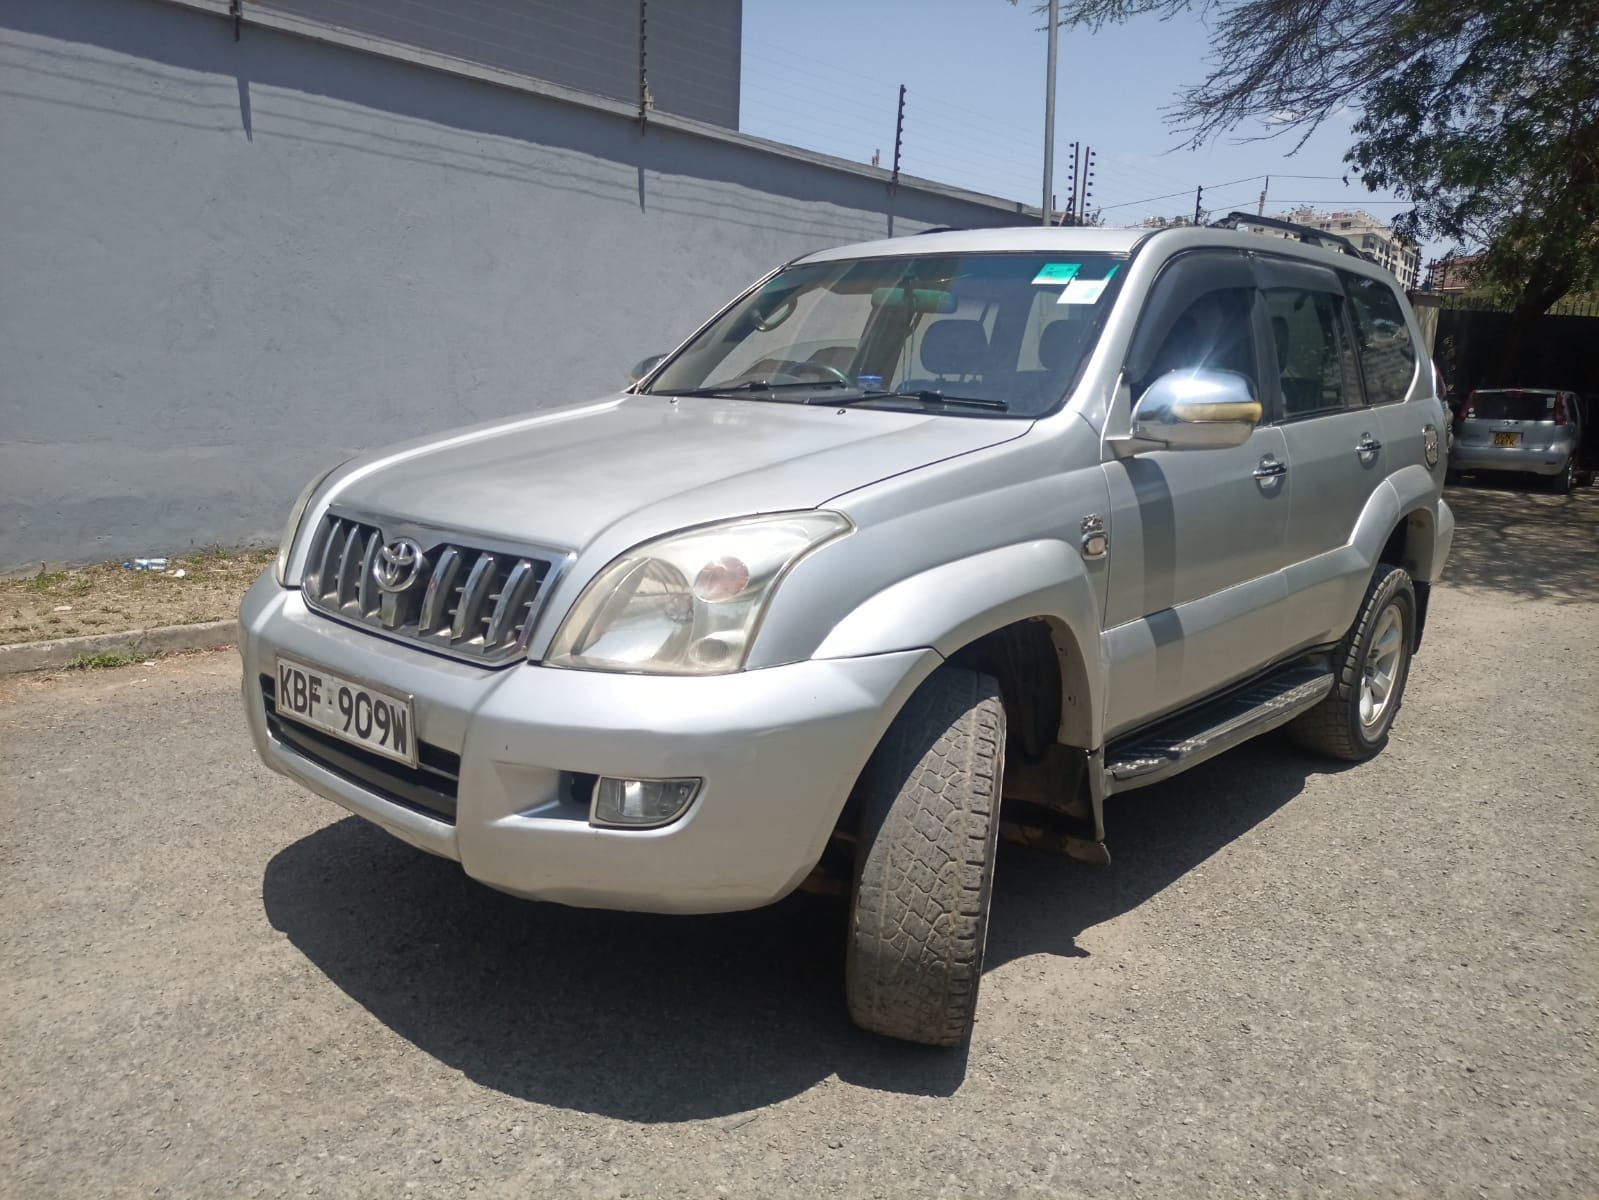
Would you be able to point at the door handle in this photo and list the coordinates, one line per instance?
(1270, 468)
(1367, 445)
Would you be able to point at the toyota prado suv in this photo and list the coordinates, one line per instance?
(911, 538)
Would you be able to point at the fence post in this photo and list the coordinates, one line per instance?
(1426, 307)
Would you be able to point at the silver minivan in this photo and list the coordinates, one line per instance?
(1532, 431)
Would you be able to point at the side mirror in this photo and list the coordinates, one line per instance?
(643, 367)
(1193, 410)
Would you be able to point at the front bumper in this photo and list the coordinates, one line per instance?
(1509, 458)
(778, 749)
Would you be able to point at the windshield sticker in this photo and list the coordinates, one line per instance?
(1083, 291)
(1057, 273)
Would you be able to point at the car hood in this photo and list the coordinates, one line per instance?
(561, 477)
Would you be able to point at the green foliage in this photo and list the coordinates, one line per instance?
(105, 658)
(1491, 126)
(1483, 113)
(45, 581)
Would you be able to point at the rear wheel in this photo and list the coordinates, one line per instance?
(1371, 665)
(1562, 483)
(924, 869)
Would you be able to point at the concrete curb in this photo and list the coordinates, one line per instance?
(46, 656)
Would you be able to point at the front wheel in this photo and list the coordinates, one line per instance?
(924, 868)
(1372, 664)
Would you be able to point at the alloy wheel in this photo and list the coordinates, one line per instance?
(1380, 673)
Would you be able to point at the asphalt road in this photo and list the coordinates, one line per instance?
(1294, 978)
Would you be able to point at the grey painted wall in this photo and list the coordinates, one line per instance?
(224, 265)
(693, 45)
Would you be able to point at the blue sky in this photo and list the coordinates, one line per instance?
(825, 74)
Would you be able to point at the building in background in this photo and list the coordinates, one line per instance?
(1369, 235)
(690, 64)
(1452, 274)
(256, 242)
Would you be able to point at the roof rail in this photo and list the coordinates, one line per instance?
(1308, 234)
(941, 229)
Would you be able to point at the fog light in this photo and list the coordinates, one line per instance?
(641, 803)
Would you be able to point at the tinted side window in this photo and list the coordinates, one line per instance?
(1213, 333)
(1387, 355)
(1198, 315)
(1315, 363)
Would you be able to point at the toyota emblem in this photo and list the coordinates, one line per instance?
(398, 564)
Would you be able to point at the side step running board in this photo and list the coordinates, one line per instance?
(1152, 755)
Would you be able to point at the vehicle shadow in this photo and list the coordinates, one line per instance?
(1518, 538)
(653, 1019)
(1155, 836)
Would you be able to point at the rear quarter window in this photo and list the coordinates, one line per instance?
(1382, 338)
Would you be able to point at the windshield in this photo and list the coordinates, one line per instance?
(975, 335)
(1511, 406)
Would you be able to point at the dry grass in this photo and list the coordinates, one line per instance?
(108, 599)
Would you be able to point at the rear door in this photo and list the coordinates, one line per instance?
(1391, 367)
(1336, 456)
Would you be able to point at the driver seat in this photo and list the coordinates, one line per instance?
(955, 349)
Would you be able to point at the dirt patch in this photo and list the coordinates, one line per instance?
(109, 599)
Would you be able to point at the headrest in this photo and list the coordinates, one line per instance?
(1061, 343)
(955, 348)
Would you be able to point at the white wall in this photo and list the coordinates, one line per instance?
(225, 264)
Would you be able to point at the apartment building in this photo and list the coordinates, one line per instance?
(1369, 235)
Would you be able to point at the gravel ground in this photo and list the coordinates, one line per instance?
(74, 601)
(1294, 979)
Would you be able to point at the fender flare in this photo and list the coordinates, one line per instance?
(1407, 497)
(952, 605)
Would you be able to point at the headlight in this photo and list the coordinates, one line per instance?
(688, 603)
(286, 546)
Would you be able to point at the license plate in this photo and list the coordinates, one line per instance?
(1507, 439)
(358, 713)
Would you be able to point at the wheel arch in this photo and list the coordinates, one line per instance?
(1040, 585)
(1404, 525)
(1408, 525)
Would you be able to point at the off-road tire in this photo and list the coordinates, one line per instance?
(924, 862)
(1334, 726)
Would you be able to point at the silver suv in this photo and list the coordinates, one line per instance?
(909, 534)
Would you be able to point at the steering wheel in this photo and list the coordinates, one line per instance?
(821, 372)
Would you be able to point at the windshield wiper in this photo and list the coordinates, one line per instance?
(925, 396)
(758, 385)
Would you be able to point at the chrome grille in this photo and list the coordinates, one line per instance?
(465, 601)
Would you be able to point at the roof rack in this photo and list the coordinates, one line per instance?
(1308, 234)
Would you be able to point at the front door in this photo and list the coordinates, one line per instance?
(1196, 536)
